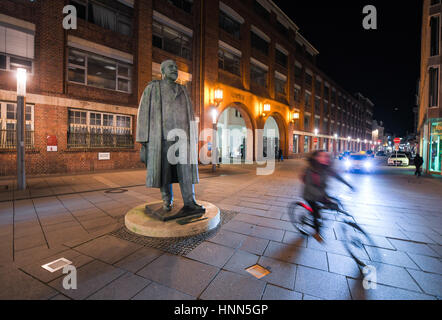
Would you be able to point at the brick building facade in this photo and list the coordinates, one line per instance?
(430, 94)
(84, 85)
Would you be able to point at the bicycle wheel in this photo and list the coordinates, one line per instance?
(301, 218)
(356, 240)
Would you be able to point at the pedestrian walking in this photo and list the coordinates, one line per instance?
(418, 162)
(280, 155)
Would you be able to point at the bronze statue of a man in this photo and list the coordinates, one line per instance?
(165, 108)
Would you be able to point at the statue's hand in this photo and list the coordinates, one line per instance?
(143, 153)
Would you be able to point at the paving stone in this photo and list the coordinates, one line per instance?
(308, 297)
(282, 274)
(343, 265)
(411, 247)
(78, 260)
(240, 261)
(16, 285)
(397, 258)
(123, 288)
(382, 292)
(139, 259)
(276, 293)
(239, 226)
(321, 284)
(426, 263)
(232, 286)
(108, 249)
(296, 255)
(91, 278)
(229, 239)
(156, 291)
(268, 233)
(211, 253)
(293, 238)
(336, 247)
(60, 297)
(393, 276)
(182, 274)
(429, 282)
(254, 245)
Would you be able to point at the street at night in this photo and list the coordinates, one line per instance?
(398, 210)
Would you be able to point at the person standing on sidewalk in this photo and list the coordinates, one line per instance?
(418, 162)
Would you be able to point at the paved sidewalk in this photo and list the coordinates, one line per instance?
(72, 216)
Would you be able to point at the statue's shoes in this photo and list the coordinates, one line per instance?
(168, 207)
(194, 209)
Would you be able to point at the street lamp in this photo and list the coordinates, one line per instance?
(21, 96)
(295, 116)
(218, 99)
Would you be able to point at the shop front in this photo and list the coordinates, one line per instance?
(435, 146)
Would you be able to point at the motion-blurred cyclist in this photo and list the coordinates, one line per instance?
(315, 184)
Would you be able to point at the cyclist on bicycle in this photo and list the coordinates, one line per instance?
(315, 185)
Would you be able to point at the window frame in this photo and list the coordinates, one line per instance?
(181, 35)
(221, 60)
(118, 63)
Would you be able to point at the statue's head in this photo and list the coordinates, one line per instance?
(169, 70)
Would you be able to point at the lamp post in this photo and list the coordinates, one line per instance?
(348, 143)
(21, 95)
(317, 139)
(218, 98)
(336, 145)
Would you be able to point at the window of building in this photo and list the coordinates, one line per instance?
(171, 40)
(307, 144)
(435, 35)
(308, 101)
(229, 25)
(280, 83)
(326, 92)
(258, 75)
(308, 80)
(281, 58)
(259, 43)
(8, 122)
(306, 123)
(282, 29)
(103, 16)
(325, 107)
(317, 105)
(297, 94)
(318, 123)
(229, 61)
(318, 87)
(434, 87)
(16, 49)
(185, 5)
(91, 129)
(261, 11)
(433, 2)
(298, 73)
(94, 70)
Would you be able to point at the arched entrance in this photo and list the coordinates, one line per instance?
(234, 135)
(275, 135)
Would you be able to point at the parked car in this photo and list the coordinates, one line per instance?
(359, 162)
(381, 154)
(399, 159)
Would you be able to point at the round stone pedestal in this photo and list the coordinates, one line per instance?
(137, 221)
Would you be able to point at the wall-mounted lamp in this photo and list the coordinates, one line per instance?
(266, 108)
(295, 116)
(214, 115)
(218, 96)
(336, 136)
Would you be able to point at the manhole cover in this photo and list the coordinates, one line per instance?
(116, 191)
(177, 246)
(56, 265)
(258, 271)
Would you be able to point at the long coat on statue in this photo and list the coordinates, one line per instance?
(149, 130)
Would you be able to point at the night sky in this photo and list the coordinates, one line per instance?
(382, 64)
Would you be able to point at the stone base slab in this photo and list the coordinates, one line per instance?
(139, 222)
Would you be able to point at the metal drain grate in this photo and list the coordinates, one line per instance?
(176, 246)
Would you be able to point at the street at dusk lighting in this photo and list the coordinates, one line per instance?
(336, 136)
(349, 138)
(21, 82)
(218, 96)
(359, 140)
(365, 141)
(316, 132)
(295, 116)
(214, 115)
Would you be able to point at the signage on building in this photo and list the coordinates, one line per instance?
(397, 140)
(438, 128)
(52, 145)
(104, 156)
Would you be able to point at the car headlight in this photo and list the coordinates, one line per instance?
(347, 163)
(367, 165)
